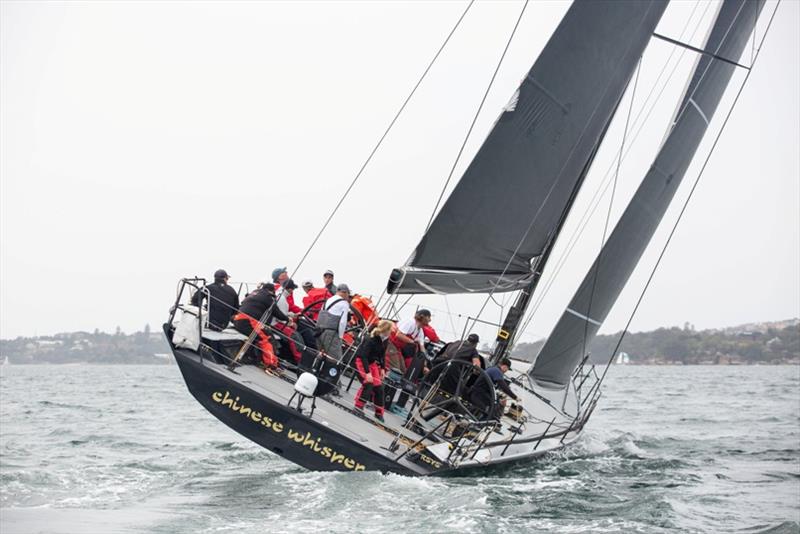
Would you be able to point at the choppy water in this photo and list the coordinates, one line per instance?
(126, 449)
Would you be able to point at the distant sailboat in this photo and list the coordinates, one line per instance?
(623, 358)
(5, 361)
(494, 234)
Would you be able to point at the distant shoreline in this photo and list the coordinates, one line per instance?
(166, 363)
(766, 343)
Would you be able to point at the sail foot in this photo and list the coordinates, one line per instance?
(412, 280)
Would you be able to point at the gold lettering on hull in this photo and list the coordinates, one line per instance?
(306, 439)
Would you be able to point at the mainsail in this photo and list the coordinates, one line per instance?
(591, 304)
(505, 210)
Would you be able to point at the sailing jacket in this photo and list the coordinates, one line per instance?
(258, 302)
(222, 306)
(292, 307)
(462, 350)
(431, 334)
(319, 295)
(500, 382)
(373, 350)
(410, 328)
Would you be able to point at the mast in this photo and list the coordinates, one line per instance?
(508, 331)
(593, 300)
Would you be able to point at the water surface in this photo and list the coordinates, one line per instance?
(127, 449)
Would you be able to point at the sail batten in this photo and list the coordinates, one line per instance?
(507, 206)
(609, 273)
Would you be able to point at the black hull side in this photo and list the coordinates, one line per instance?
(277, 427)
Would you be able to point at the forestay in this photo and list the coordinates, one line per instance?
(506, 208)
(564, 349)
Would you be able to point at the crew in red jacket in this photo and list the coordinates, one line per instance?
(314, 294)
(430, 333)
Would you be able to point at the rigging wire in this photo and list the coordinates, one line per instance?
(528, 229)
(380, 141)
(450, 316)
(680, 113)
(610, 204)
(267, 312)
(605, 183)
(596, 386)
(475, 118)
(471, 127)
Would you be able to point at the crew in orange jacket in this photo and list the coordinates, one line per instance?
(363, 305)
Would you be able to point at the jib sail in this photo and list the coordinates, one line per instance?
(591, 304)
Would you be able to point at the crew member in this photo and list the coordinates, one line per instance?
(286, 305)
(332, 322)
(316, 296)
(465, 350)
(363, 305)
(430, 334)
(223, 303)
(327, 282)
(306, 327)
(497, 374)
(410, 339)
(253, 308)
(287, 289)
(370, 363)
(480, 395)
(279, 274)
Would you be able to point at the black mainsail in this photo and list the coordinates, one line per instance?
(617, 259)
(505, 210)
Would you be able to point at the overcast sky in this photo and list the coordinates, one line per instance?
(145, 141)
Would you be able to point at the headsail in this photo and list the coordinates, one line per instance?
(506, 208)
(591, 304)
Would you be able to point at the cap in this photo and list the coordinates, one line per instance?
(327, 273)
(343, 287)
(288, 284)
(473, 338)
(308, 283)
(423, 312)
(277, 272)
(220, 273)
(506, 362)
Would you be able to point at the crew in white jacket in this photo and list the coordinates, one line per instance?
(339, 306)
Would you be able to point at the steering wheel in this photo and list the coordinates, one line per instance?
(455, 387)
(355, 326)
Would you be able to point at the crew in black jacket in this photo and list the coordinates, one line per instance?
(223, 302)
(464, 350)
(371, 366)
(254, 306)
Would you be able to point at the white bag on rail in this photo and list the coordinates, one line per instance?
(187, 333)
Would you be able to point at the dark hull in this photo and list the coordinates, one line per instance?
(279, 428)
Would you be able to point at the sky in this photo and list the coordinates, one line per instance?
(141, 142)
